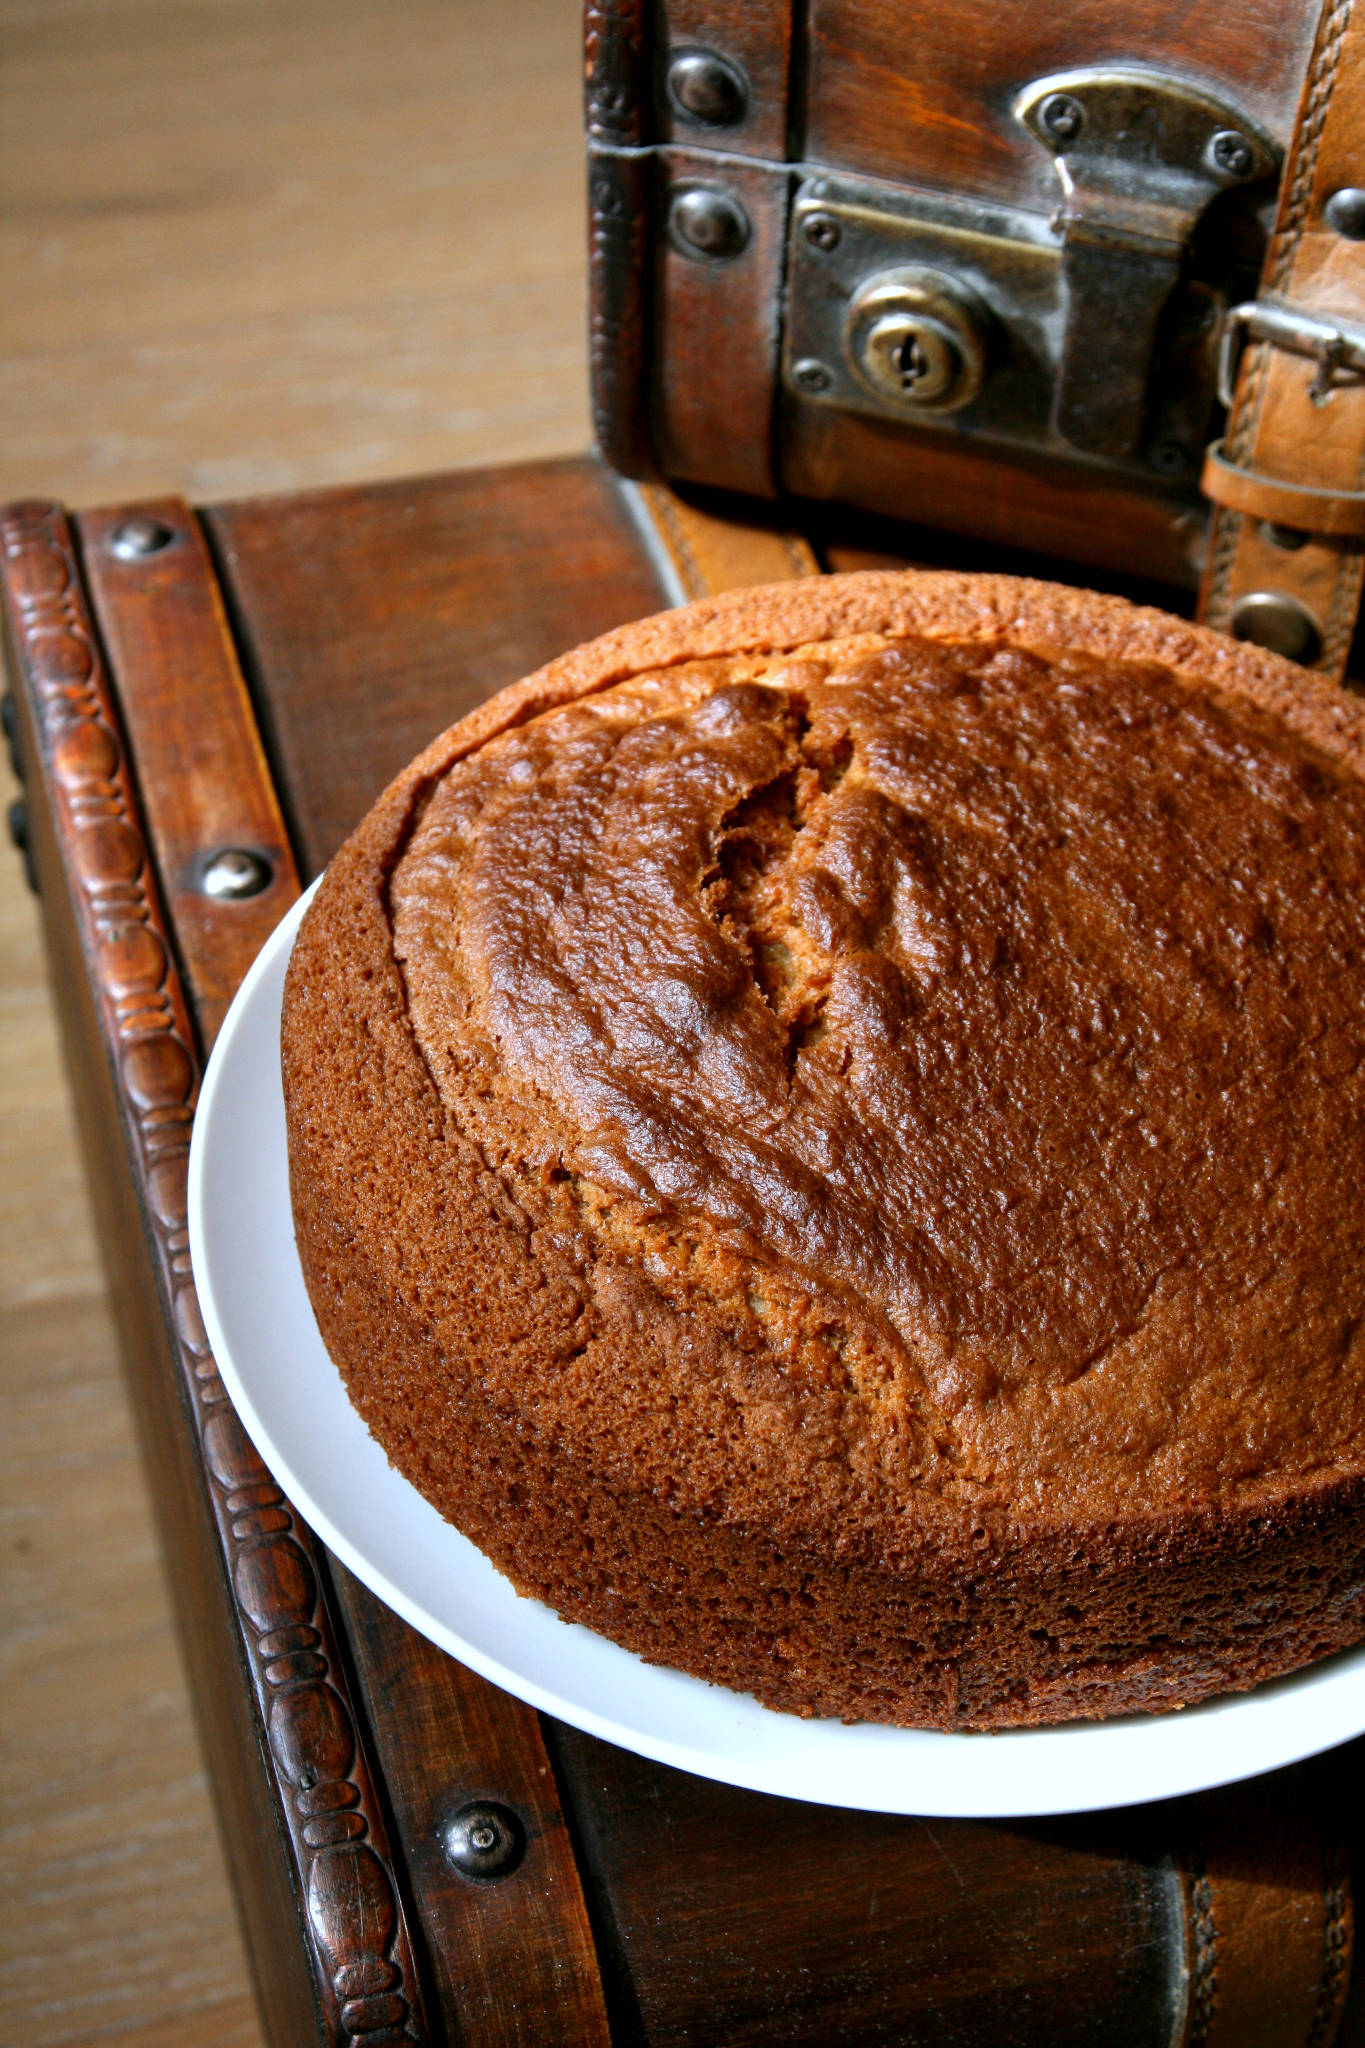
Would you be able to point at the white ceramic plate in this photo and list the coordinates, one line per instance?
(293, 1406)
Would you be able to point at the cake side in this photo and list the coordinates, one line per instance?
(643, 1376)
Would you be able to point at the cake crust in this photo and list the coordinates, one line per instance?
(668, 1061)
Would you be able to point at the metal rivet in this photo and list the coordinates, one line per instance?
(483, 1840)
(1290, 538)
(1170, 458)
(707, 222)
(1061, 117)
(823, 230)
(1231, 153)
(810, 375)
(234, 873)
(704, 87)
(1345, 212)
(1270, 619)
(140, 536)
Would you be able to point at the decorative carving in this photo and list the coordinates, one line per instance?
(615, 65)
(366, 1976)
(618, 201)
(1337, 1932)
(1203, 1962)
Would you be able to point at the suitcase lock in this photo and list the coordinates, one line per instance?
(917, 337)
(1072, 325)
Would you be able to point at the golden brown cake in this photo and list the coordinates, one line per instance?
(827, 1133)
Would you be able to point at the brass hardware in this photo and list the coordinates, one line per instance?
(822, 230)
(916, 337)
(812, 376)
(1061, 313)
(1280, 623)
(1139, 156)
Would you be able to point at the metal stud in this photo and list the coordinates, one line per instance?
(141, 536)
(705, 87)
(1061, 117)
(1170, 458)
(823, 231)
(706, 221)
(1290, 538)
(811, 375)
(234, 873)
(483, 1840)
(1345, 212)
(1271, 619)
(1231, 153)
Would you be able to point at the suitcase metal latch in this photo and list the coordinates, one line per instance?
(1061, 331)
(1139, 157)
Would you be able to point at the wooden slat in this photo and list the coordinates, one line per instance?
(192, 732)
(714, 339)
(513, 1962)
(772, 1923)
(372, 618)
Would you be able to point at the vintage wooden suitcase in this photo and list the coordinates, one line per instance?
(990, 271)
(204, 702)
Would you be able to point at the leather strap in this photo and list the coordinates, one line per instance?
(1268, 1918)
(706, 552)
(1301, 507)
(1293, 455)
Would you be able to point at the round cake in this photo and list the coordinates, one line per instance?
(827, 1132)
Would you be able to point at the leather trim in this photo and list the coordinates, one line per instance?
(1268, 1919)
(1280, 429)
(709, 553)
(1300, 506)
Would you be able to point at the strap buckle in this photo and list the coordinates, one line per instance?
(1334, 345)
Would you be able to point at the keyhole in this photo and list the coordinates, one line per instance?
(911, 362)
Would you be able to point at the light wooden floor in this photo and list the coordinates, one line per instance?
(246, 245)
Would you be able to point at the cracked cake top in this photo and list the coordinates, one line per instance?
(981, 1024)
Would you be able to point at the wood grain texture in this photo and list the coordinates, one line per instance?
(190, 727)
(946, 1934)
(713, 355)
(255, 247)
(503, 570)
(513, 1963)
(1030, 505)
(753, 35)
(898, 93)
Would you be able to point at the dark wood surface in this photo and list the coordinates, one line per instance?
(503, 568)
(717, 429)
(366, 620)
